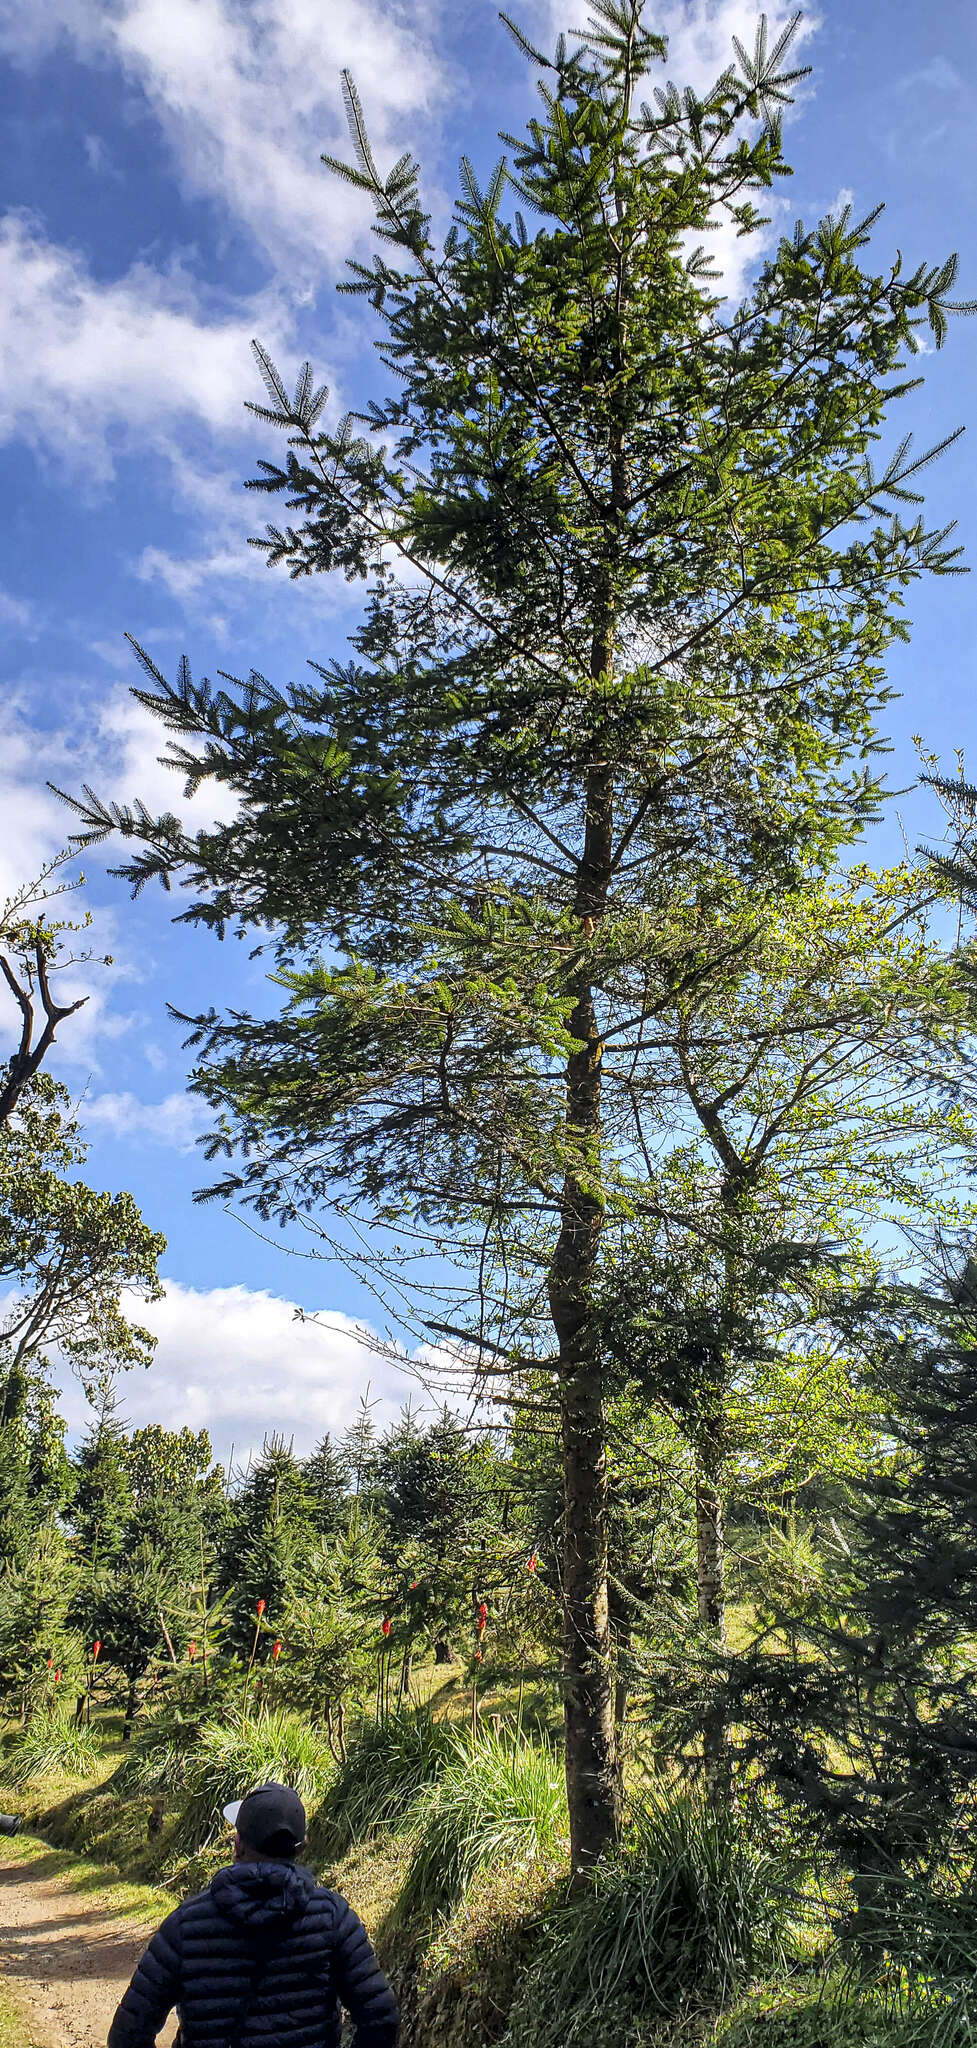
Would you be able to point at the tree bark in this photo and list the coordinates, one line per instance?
(132, 1702)
(593, 1788)
(24, 1063)
(621, 1640)
(711, 1554)
(711, 1580)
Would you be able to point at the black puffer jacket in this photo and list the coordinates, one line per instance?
(264, 1957)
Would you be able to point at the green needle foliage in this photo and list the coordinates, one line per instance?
(633, 564)
(160, 1757)
(865, 1720)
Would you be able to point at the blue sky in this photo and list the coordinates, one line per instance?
(161, 201)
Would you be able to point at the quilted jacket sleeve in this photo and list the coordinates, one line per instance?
(361, 1984)
(153, 1992)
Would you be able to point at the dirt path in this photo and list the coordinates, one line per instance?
(64, 1959)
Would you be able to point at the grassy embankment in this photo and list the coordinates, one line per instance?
(453, 1849)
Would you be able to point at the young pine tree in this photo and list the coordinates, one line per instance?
(103, 1491)
(327, 1477)
(265, 1541)
(866, 1723)
(631, 579)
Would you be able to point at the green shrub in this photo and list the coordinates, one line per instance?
(48, 1749)
(681, 1919)
(501, 1801)
(225, 1763)
(388, 1765)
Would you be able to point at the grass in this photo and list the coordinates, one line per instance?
(15, 2027)
(917, 1951)
(455, 1850)
(500, 1802)
(141, 1904)
(390, 1763)
(825, 2019)
(679, 1922)
(227, 1762)
(50, 1748)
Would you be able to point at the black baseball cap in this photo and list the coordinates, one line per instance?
(271, 1820)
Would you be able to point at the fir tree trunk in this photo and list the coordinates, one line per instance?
(711, 1576)
(621, 1639)
(132, 1702)
(593, 1789)
(710, 1554)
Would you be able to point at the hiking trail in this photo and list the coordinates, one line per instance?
(65, 1959)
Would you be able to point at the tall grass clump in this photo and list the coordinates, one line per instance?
(49, 1749)
(388, 1765)
(228, 1762)
(689, 1911)
(918, 1951)
(160, 1756)
(501, 1802)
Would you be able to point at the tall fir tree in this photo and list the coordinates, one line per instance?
(632, 577)
(103, 1491)
(271, 1529)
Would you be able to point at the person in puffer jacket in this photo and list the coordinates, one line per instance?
(265, 1957)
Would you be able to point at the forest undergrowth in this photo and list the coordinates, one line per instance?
(712, 1924)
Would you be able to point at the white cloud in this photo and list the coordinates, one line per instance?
(18, 613)
(248, 96)
(100, 159)
(95, 371)
(90, 368)
(34, 823)
(117, 744)
(177, 1121)
(700, 35)
(939, 73)
(237, 1362)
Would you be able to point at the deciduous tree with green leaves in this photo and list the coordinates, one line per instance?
(631, 580)
(71, 1251)
(814, 1069)
(33, 953)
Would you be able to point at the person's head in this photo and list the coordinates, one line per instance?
(269, 1825)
